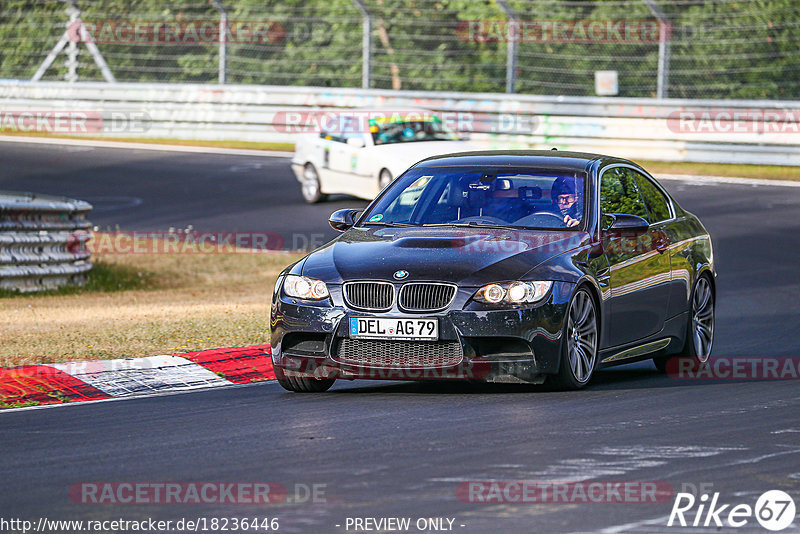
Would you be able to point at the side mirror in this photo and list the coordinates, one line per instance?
(355, 142)
(626, 221)
(342, 220)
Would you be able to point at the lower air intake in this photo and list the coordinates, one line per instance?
(398, 354)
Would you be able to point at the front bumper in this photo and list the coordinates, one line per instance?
(497, 345)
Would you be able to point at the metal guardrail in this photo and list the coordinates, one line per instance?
(42, 241)
(628, 127)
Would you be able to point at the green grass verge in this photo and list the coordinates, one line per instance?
(103, 278)
(143, 304)
(252, 145)
(766, 172)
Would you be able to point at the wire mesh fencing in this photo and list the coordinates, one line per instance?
(721, 49)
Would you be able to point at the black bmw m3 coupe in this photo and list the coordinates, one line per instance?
(513, 266)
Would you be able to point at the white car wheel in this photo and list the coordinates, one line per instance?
(310, 186)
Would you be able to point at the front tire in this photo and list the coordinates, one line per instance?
(579, 352)
(699, 331)
(310, 186)
(306, 385)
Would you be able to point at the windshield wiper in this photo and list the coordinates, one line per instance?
(471, 224)
(389, 224)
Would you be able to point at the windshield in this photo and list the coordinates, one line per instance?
(470, 196)
(387, 130)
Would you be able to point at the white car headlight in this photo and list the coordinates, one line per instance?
(513, 292)
(303, 287)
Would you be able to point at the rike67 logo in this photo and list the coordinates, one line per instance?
(774, 510)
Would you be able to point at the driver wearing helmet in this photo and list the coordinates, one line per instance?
(565, 198)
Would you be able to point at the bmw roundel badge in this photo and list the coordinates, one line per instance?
(401, 274)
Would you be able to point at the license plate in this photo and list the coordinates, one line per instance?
(393, 328)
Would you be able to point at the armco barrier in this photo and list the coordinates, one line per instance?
(628, 127)
(42, 241)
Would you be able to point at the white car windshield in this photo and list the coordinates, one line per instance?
(408, 130)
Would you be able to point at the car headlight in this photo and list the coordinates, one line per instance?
(303, 287)
(513, 292)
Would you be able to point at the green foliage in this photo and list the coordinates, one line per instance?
(618, 194)
(743, 49)
(654, 200)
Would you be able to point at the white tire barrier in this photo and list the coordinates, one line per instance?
(42, 242)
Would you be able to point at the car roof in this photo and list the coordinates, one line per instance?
(549, 159)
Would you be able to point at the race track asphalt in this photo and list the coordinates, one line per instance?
(146, 190)
(402, 449)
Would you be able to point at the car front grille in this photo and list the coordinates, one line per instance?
(426, 296)
(374, 296)
(390, 354)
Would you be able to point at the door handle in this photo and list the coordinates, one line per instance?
(603, 276)
(661, 244)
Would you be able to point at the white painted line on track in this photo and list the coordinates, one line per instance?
(702, 179)
(169, 393)
(145, 146)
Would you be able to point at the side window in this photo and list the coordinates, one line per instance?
(619, 194)
(657, 204)
(402, 208)
(350, 127)
(331, 137)
(349, 135)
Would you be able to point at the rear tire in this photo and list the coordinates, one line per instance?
(306, 385)
(310, 186)
(384, 179)
(699, 330)
(579, 352)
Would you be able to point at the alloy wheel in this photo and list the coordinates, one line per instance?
(582, 337)
(703, 319)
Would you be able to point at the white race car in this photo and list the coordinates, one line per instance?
(359, 155)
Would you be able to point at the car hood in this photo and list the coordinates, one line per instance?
(466, 256)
